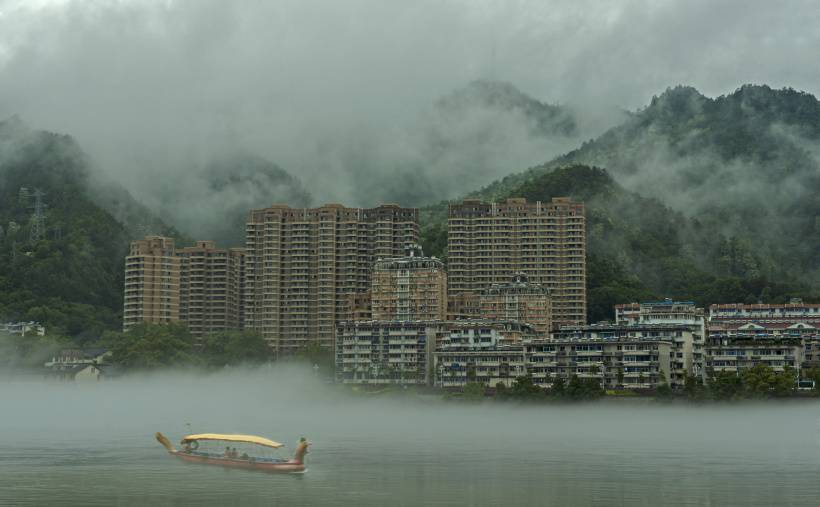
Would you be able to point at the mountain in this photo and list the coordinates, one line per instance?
(737, 180)
(543, 119)
(474, 133)
(212, 202)
(745, 164)
(70, 276)
(639, 249)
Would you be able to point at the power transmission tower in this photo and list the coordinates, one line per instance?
(38, 219)
(22, 199)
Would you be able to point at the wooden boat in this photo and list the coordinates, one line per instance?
(191, 453)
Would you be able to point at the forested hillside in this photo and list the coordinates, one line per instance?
(70, 277)
(714, 200)
(746, 165)
(640, 249)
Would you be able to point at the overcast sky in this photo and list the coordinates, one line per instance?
(158, 83)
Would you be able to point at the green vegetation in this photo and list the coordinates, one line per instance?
(639, 249)
(715, 201)
(758, 382)
(149, 346)
(693, 198)
(474, 391)
(577, 389)
(319, 356)
(70, 280)
(29, 352)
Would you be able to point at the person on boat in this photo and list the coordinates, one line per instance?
(245, 456)
(234, 453)
(227, 452)
(186, 447)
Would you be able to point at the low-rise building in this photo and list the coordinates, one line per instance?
(395, 352)
(792, 319)
(481, 351)
(482, 331)
(670, 312)
(811, 351)
(78, 364)
(459, 365)
(681, 338)
(742, 335)
(617, 362)
(735, 353)
(386, 352)
(30, 328)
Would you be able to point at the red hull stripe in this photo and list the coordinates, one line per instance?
(288, 466)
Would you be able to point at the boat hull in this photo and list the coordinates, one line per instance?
(283, 467)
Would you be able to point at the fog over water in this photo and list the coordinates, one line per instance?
(92, 444)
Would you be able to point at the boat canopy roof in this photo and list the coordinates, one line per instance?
(234, 438)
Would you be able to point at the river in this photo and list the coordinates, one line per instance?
(81, 444)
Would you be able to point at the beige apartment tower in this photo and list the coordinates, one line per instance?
(409, 288)
(200, 286)
(489, 242)
(211, 281)
(151, 282)
(304, 266)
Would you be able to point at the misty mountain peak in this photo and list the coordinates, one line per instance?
(502, 96)
(679, 101)
(13, 127)
(786, 105)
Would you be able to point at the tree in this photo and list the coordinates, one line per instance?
(693, 388)
(664, 392)
(234, 348)
(501, 391)
(726, 385)
(471, 372)
(315, 354)
(758, 381)
(813, 374)
(785, 383)
(558, 389)
(579, 389)
(30, 351)
(474, 391)
(524, 389)
(151, 346)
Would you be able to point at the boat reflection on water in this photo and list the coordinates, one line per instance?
(191, 452)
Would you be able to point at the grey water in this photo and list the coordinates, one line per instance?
(93, 444)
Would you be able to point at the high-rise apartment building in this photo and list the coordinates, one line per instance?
(302, 265)
(407, 288)
(211, 281)
(489, 242)
(520, 301)
(151, 282)
(200, 285)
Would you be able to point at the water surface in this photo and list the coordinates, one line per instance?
(76, 444)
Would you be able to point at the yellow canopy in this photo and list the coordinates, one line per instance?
(233, 438)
